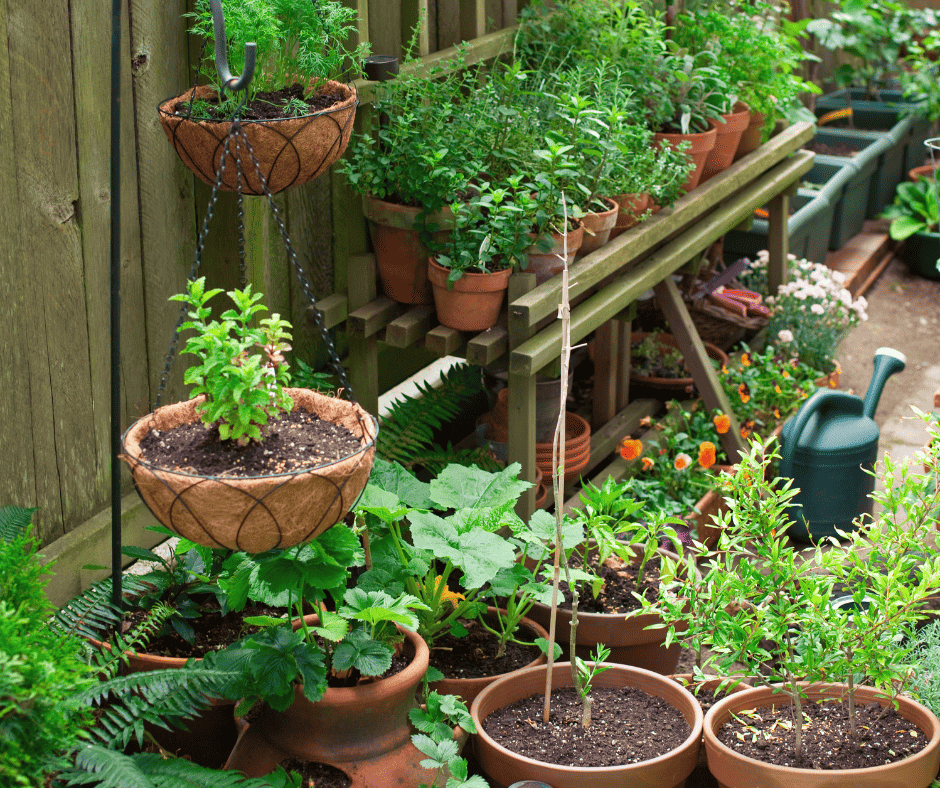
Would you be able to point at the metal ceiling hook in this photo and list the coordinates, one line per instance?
(229, 80)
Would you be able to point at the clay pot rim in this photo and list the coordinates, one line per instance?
(583, 433)
(500, 277)
(130, 443)
(814, 691)
(713, 351)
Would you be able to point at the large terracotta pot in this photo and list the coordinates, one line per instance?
(504, 767)
(400, 254)
(290, 151)
(546, 264)
(752, 136)
(700, 145)
(726, 144)
(256, 513)
(629, 640)
(597, 228)
(362, 730)
(632, 207)
(737, 771)
(668, 388)
(474, 301)
(468, 689)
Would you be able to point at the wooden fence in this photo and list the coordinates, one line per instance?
(55, 219)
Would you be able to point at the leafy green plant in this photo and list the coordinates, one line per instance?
(243, 389)
(435, 739)
(587, 671)
(772, 615)
(297, 41)
(651, 357)
(914, 209)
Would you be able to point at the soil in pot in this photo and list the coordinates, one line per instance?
(628, 726)
(269, 104)
(846, 151)
(885, 736)
(619, 586)
(474, 655)
(295, 440)
(321, 775)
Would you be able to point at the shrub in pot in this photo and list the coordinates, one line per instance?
(840, 614)
(297, 117)
(914, 219)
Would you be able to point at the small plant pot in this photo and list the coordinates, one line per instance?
(726, 144)
(832, 380)
(752, 136)
(670, 388)
(700, 145)
(290, 151)
(923, 171)
(255, 513)
(920, 253)
(597, 228)
(474, 301)
(632, 208)
(545, 265)
(505, 767)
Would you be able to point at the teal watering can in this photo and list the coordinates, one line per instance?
(827, 447)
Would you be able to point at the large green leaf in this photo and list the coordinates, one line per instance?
(359, 651)
(394, 478)
(461, 487)
(906, 226)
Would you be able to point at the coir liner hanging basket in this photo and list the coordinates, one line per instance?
(254, 514)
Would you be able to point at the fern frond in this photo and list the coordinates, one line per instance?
(436, 458)
(99, 766)
(92, 613)
(15, 522)
(409, 426)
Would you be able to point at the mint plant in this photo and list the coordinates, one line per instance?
(243, 389)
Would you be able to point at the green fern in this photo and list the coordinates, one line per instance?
(92, 613)
(435, 459)
(408, 429)
(14, 522)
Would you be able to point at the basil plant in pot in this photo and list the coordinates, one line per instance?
(298, 115)
(823, 637)
(205, 465)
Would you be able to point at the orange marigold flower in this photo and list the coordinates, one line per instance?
(722, 423)
(630, 448)
(776, 413)
(648, 464)
(706, 454)
(785, 374)
(778, 389)
(682, 461)
(746, 360)
(745, 432)
(744, 392)
(724, 370)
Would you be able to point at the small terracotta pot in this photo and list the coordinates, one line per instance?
(737, 771)
(924, 171)
(710, 505)
(505, 767)
(700, 144)
(632, 207)
(729, 137)
(400, 254)
(832, 380)
(545, 265)
(577, 436)
(752, 136)
(474, 301)
(597, 228)
(290, 151)
(668, 388)
(468, 689)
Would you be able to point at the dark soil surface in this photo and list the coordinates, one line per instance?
(321, 775)
(268, 105)
(619, 584)
(295, 440)
(831, 150)
(628, 726)
(885, 737)
(474, 655)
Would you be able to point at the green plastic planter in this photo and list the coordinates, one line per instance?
(920, 252)
(809, 227)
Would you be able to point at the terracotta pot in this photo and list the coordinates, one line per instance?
(924, 171)
(577, 436)
(629, 640)
(400, 254)
(546, 264)
(597, 228)
(700, 145)
(632, 207)
(710, 505)
(468, 689)
(753, 135)
(362, 730)
(832, 380)
(737, 771)
(667, 388)
(290, 151)
(474, 301)
(726, 144)
(505, 767)
(258, 513)
(547, 409)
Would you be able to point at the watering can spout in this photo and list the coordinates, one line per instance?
(887, 362)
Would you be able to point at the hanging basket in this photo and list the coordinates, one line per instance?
(260, 513)
(290, 151)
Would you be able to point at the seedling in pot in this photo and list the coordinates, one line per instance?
(587, 671)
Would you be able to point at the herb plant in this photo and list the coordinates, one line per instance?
(435, 739)
(914, 209)
(243, 389)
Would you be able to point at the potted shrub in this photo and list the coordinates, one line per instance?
(913, 218)
(240, 407)
(838, 615)
(297, 117)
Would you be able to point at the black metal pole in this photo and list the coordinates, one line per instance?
(115, 302)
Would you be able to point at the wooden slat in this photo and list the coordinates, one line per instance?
(535, 353)
(368, 320)
(494, 14)
(59, 376)
(363, 366)
(778, 241)
(472, 19)
(385, 28)
(444, 341)
(409, 328)
(606, 353)
(334, 308)
(412, 11)
(489, 346)
(448, 22)
(522, 436)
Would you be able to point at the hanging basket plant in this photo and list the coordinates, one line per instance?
(296, 114)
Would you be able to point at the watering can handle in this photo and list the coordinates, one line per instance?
(820, 399)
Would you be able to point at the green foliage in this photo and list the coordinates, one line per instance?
(15, 522)
(925, 656)
(435, 740)
(297, 41)
(914, 209)
(243, 389)
(305, 377)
